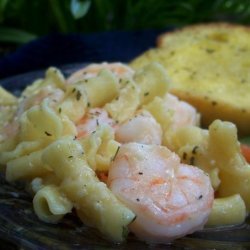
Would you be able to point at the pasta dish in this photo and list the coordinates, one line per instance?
(113, 145)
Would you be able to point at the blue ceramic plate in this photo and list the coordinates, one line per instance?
(20, 228)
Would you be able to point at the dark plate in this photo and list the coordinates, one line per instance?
(20, 228)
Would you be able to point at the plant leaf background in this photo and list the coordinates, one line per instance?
(22, 20)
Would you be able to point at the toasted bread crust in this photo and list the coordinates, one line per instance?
(210, 68)
(162, 40)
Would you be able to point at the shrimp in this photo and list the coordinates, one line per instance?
(183, 113)
(89, 123)
(119, 69)
(170, 199)
(142, 128)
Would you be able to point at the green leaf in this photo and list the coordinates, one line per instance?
(12, 35)
(79, 8)
(3, 4)
(245, 140)
(59, 14)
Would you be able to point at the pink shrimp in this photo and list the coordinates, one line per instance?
(141, 128)
(119, 69)
(183, 113)
(91, 120)
(170, 199)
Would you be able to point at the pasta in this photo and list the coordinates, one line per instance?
(101, 89)
(53, 79)
(217, 150)
(95, 203)
(152, 81)
(50, 204)
(40, 122)
(74, 105)
(61, 138)
(22, 149)
(163, 109)
(230, 210)
(26, 167)
(121, 108)
(8, 105)
(100, 147)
